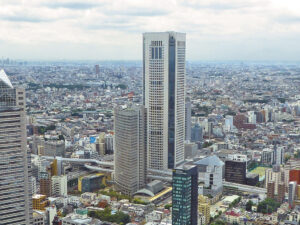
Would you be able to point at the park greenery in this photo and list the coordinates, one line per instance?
(114, 194)
(119, 196)
(43, 130)
(267, 206)
(207, 144)
(106, 215)
(139, 201)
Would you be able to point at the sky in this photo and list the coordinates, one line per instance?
(112, 29)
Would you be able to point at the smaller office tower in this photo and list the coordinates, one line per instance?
(292, 193)
(45, 184)
(235, 171)
(130, 149)
(281, 192)
(267, 156)
(185, 195)
(100, 144)
(278, 155)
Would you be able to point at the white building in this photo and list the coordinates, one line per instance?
(33, 186)
(238, 157)
(59, 185)
(210, 175)
(51, 212)
(252, 117)
(228, 123)
(164, 98)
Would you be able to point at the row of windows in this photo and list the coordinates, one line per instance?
(156, 53)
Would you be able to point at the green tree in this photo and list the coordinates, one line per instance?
(168, 206)
(268, 206)
(249, 205)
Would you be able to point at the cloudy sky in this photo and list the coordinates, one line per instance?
(112, 29)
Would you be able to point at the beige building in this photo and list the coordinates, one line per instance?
(204, 208)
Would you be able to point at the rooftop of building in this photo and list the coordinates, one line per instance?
(210, 161)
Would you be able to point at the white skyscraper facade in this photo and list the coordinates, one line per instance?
(164, 98)
(15, 186)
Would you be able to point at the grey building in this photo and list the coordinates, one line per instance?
(15, 185)
(130, 149)
(54, 148)
(197, 133)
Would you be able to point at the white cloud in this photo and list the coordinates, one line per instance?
(87, 29)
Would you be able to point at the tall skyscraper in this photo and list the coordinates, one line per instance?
(164, 98)
(185, 195)
(130, 149)
(15, 186)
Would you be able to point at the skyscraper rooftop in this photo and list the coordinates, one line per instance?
(4, 79)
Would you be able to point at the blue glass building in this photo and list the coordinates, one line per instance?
(185, 195)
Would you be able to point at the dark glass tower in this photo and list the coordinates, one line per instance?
(185, 195)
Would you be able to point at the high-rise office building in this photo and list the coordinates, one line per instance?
(130, 149)
(15, 182)
(185, 195)
(164, 98)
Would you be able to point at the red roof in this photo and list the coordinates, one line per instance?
(232, 213)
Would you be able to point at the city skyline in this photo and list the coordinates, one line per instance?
(98, 30)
